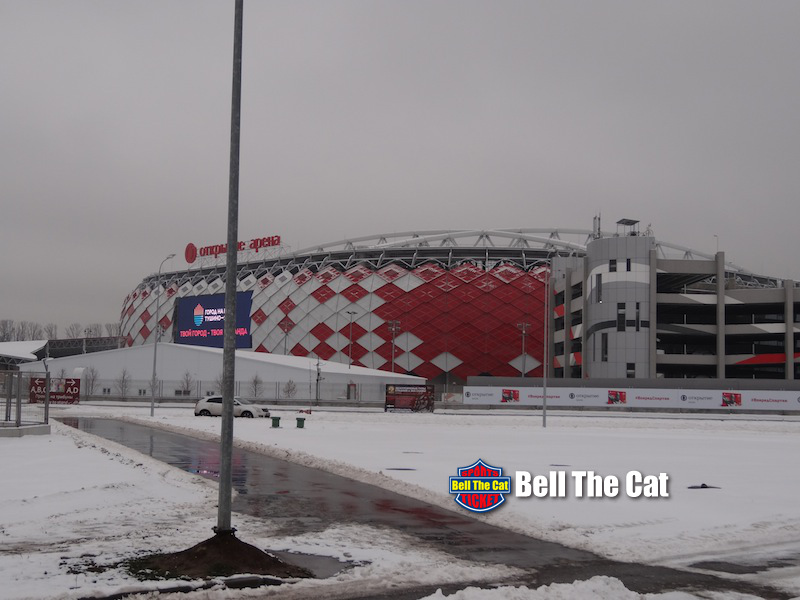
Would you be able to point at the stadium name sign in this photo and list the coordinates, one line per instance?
(192, 252)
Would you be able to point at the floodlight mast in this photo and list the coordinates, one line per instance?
(229, 338)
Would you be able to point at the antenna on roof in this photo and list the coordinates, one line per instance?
(596, 227)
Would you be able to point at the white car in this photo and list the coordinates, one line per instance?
(212, 406)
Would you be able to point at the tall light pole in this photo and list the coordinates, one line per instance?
(229, 328)
(155, 341)
(350, 348)
(546, 342)
(394, 327)
(523, 327)
(286, 329)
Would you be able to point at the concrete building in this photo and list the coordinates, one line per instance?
(623, 310)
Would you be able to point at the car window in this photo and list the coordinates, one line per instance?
(214, 400)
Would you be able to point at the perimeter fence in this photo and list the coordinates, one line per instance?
(21, 405)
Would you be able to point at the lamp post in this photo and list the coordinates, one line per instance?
(394, 327)
(286, 329)
(546, 342)
(350, 348)
(523, 327)
(155, 341)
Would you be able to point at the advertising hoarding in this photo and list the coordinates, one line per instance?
(688, 399)
(409, 397)
(199, 320)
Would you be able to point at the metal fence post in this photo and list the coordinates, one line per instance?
(9, 388)
(47, 397)
(19, 400)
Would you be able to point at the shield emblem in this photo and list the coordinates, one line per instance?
(480, 487)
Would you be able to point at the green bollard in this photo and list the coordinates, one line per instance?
(301, 422)
(276, 422)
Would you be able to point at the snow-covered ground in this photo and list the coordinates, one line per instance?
(70, 499)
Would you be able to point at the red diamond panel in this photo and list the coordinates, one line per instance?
(508, 294)
(467, 272)
(487, 283)
(287, 306)
(164, 322)
(302, 277)
(447, 283)
(145, 316)
(171, 291)
(130, 310)
(427, 370)
(466, 352)
(262, 349)
(259, 317)
(466, 333)
(385, 351)
(426, 292)
(358, 331)
(327, 275)
(391, 272)
(286, 324)
(389, 292)
(145, 332)
(506, 370)
(486, 323)
(265, 281)
(466, 313)
(424, 331)
(322, 332)
(298, 350)
(129, 341)
(388, 312)
(324, 351)
(322, 294)
(428, 272)
(354, 293)
(487, 303)
(145, 294)
(466, 293)
(430, 350)
(407, 302)
(507, 273)
(445, 322)
(358, 351)
(358, 273)
(463, 370)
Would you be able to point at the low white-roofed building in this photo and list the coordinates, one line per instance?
(15, 353)
(192, 371)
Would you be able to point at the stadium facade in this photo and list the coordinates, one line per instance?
(447, 305)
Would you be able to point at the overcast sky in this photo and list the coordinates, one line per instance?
(363, 117)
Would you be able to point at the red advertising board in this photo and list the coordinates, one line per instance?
(62, 391)
(415, 398)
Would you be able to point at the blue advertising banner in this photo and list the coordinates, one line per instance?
(200, 320)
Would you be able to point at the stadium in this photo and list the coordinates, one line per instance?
(450, 305)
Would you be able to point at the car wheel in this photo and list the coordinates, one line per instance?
(205, 413)
(247, 414)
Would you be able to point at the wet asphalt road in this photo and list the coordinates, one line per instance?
(301, 500)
